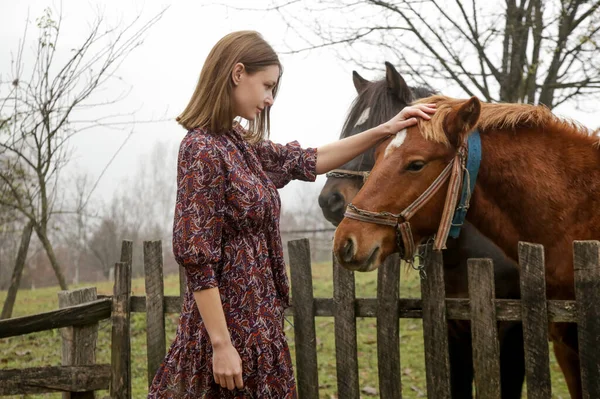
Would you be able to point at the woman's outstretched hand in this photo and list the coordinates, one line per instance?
(408, 117)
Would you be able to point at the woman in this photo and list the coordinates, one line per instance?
(230, 341)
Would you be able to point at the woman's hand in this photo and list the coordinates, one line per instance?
(408, 117)
(227, 366)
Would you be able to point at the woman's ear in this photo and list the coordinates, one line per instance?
(237, 72)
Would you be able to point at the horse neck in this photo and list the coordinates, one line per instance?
(537, 187)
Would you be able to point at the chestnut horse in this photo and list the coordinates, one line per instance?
(539, 181)
(376, 103)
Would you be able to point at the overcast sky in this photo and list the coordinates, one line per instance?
(315, 94)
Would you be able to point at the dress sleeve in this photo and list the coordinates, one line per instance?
(284, 163)
(198, 223)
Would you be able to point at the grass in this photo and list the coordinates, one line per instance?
(44, 348)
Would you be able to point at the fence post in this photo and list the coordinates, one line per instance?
(388, 329)
(155, 313)
(535, 320)
(78, 343)
(435, 327)
(587, 293)
(346, 347)
(304, 318)
(120, 387)
(486, 351)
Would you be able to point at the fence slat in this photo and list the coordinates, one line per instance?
(586, 256)
(304, 319)
(409, 308)
(75, 315)
(388, 329)
(155, 313)
(120, 387)
(435, 328)
(54, 379)
(78, 343)
(535, 320)
(486, 352)
(346, 349)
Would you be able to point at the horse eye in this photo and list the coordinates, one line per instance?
(415, 166)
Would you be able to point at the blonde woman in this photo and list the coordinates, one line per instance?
(230, 341)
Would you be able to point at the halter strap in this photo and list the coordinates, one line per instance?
(344, 173)
(427, 194)
(469, 180)
(451, 199)
(452, 171)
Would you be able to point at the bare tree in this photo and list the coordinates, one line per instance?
(37, 113)
(104, 242)
(532, 51)
(141, 209)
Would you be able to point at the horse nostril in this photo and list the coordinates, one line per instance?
(335, 202)
(348, 251)
(332, 202)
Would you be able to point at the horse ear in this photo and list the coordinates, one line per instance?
(461, 120)
(397, 84)
(359, 82)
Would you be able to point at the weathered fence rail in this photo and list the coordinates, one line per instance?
(83, 309)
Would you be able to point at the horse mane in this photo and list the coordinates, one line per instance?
(383, 106)
(494, 116)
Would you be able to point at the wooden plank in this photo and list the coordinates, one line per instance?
(586, 256)
(74, 315)
(304, 319)
(346, 347)
(486, 349)
(78, 343)
(435, 327)
(54, 379)
(155, 313)
(408, 308)
(535, 320)
(388, 329)
(120, 387)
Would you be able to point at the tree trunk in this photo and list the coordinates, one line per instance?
(52, 258)
(9, 303)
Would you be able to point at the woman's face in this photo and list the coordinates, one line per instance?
(253, 92)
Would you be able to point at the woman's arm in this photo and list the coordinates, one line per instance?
(227, 364)
(337, 153)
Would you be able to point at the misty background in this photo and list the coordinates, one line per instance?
(115, 175)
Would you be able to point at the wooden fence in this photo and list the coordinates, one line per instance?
(83, 309)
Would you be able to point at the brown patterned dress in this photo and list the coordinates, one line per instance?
(226, 235)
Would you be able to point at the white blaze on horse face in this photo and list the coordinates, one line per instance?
(396, 142)
(363, 117)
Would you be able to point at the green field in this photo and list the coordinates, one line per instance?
(42, 349)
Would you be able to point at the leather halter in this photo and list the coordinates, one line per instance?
(453, 172)
(346, 173)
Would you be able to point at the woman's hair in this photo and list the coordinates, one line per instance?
(211, 104)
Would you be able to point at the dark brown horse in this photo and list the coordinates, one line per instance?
(376, 103)
(539, 181)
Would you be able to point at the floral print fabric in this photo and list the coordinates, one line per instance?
(226, 235)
